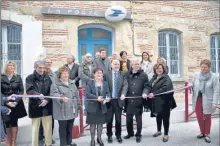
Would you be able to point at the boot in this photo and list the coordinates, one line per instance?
(14, 135)
(8, 137)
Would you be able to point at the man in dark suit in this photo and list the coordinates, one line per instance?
(73, 67)
(118, 86)
(138, 87)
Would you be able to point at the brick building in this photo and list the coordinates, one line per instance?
(184, 32)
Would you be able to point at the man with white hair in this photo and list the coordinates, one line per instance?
(97, 55)
(40, 109)
(73, 68)
(138, 87)
(86, 73)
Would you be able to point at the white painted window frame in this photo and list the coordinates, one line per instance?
(216, 50)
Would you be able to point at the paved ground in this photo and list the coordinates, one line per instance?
(181, 134)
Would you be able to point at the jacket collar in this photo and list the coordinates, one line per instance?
(5, 78)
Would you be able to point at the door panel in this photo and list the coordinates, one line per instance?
(97, 48)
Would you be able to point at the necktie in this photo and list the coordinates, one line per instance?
(115, 85)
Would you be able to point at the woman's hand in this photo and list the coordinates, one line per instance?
(11, 97)
(100, 99)
(65, 99)
(11, 104)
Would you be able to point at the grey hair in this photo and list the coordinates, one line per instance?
(135, 60)
(71, 56)
(45, 60)
(37, 63)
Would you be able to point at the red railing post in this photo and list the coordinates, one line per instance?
(81, 111)
(186, 103)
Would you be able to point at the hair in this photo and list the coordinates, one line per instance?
(206, 62)
(61, 70)
(97, 69)
(115, 60)
(122, 52)
(37, 63)
(71, 56)
(148, 57)
(102, 50)
(6, 66)
(156, 66)
(45, 60)
(164, 60)
(134, 60)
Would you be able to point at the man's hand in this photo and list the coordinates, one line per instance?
(43, 103)
(11, 97)
(122, 97)
(100, 99)
(144, 96)
(151, 95)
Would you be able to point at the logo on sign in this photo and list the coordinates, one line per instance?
(115, 13)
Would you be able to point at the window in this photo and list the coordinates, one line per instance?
(215, 53)
(11, 45)
(169, 48)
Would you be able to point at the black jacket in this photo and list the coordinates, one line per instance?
(93, 106)
(137, 86)
(14, 86)
(122, 86)
(35, 85)
(158, 103)
(74, 73)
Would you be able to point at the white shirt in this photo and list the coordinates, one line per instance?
(70, 65)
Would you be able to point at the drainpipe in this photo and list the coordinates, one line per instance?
(132, 29)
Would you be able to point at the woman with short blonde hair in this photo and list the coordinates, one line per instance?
(11, 84)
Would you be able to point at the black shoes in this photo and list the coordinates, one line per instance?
(100, 142)
(128, 136)
(165, 138)
(92, 143)
(157, 134)
(110, 139)
(200, 136)
(207, 139)
(119, 139)
(138, 139)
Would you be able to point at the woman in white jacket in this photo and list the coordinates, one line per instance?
(146, 65)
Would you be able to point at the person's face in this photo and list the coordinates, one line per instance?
(115, 65)
(159, 70)
(97, 55)
(136, 66)
(98, 75)
(204, 68)
(64, 76)
(40, 69)
(114, 56)
(88, 58)
(124, 56)
(48, 64)
(145, 56)
(10, 68)
(69, 60)
(103, 54)
(160, 61)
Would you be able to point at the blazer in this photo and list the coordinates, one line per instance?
(93, 106)
(73, 73)
(122, 85)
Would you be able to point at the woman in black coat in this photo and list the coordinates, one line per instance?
(96, 91)
(11, 83)
(162, 104)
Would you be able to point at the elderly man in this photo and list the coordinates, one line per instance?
(40, 109)
(118, 86)
(86, 73)
(97, 55)
(74, 69)
(138, 86)
(51, 74)
(115, 55)
(103, 62)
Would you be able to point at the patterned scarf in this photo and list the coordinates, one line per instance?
(203, 78)
(124, 65)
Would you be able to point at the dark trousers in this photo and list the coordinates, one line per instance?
(165, 117)
(41, 130)
(114, 110)
(129, 124)
(65, 131)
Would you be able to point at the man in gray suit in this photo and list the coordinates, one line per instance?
(118, 86)
(103, 62)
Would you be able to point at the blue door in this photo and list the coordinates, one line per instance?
(91, 40)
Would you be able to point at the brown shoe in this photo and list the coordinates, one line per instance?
(14, 132)
(8, 137)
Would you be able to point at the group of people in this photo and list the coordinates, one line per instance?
(111, 86)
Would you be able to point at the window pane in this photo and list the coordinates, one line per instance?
(83, 33)
(162, 45)
(213, 66)
(83, 49)
(173, 54)
(14, 52)
(212, 42)
(14, 34)
(98, 33)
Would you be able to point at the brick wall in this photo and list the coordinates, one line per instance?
(196, 20)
